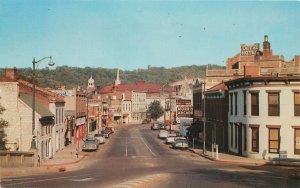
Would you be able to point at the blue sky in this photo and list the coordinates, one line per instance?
(134, 34)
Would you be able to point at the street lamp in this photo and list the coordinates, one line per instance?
(34, 62)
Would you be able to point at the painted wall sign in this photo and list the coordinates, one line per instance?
(249, 50)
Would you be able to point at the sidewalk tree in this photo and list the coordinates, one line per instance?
(3, 124)
(155, 110)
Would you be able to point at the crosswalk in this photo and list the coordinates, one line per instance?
(141, 182)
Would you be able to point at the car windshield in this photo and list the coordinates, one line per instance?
(90, 142)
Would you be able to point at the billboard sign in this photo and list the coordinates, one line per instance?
(249, 50)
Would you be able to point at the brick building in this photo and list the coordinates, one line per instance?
(251, 60)
(75, 113)
(216, 99)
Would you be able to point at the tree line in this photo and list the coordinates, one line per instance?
(75, 76)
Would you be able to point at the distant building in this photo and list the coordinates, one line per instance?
(91, 85)
(118, 81)
(75, 114)
(126, 103)
(252, 61)
(138, 106)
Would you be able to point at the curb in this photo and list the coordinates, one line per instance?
(42, 169)
(229, 161)
(62, 164)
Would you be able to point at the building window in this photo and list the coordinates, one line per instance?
(236, 136)
(274, 140)
(274, 104)
(297, 103)
(245, 102)
(62, 116)
(231, 135)
(245, 137)
(235, 104)
(56, 116)
(231, 102)
(297, 141)
(42, 149)
(255, 139)
(255, 104)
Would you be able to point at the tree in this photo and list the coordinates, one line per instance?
(155, 110)
(3, 124)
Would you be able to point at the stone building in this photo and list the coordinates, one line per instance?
(264, 116)
(17, 99)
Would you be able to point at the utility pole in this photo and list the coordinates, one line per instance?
(204, 119)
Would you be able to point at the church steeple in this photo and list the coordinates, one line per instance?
(117, 81)
(91, 84)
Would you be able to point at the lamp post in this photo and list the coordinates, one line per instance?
(34, 62)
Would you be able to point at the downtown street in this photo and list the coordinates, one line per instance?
(135, 157)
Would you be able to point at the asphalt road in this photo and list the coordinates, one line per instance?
(135, 157)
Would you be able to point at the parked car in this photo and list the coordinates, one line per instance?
(163, 134)
(145, 121)
(92, 138)
(105, 133)
(171, 138)
(110, 128)
(162, 126)
(100, 138)
(155, 126)
(90, 145)
(180, 144)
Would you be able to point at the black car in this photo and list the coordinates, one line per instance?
(106, 133)
(163, 126)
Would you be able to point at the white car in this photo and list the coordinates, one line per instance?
(100, 138)
(180, 143)
(163, 134)
(155, 126)
(171, 138)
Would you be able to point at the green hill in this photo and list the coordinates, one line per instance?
(74, 76)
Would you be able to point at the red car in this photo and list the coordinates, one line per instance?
(110, 129)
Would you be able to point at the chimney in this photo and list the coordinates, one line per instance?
(266, 46)
(11, 73)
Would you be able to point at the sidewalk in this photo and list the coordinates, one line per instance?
(234, 159)
(228, 158)
(64, 160)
